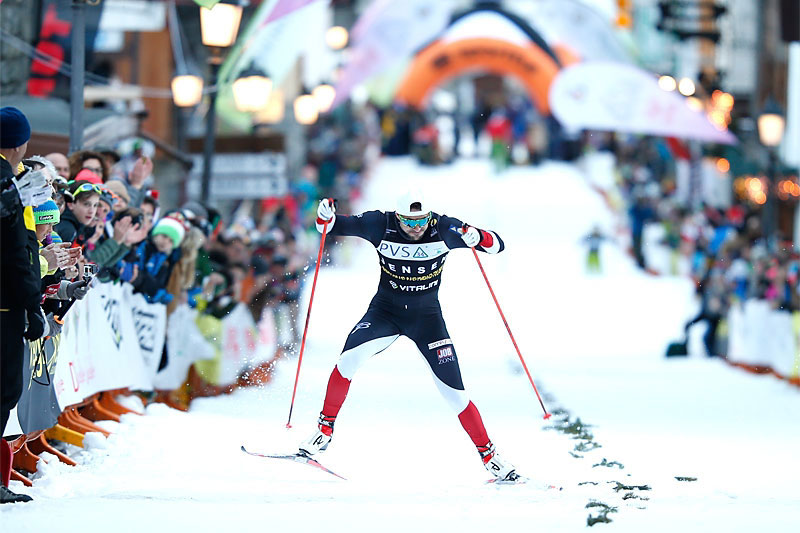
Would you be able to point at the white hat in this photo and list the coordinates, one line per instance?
(414, 195)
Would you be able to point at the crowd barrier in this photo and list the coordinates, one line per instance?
(764, 340)
(112, 342)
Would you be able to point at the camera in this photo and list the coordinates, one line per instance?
(89, 269)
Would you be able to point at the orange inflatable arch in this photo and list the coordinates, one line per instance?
(534, 64)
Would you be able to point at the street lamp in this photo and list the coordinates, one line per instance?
(323, 95)
(187, 90)
(251, 89)
(305, 109)
(771, 124)
(219, 26)
(273, 112)
(336, 37)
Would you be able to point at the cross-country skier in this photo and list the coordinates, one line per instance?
(412, 245)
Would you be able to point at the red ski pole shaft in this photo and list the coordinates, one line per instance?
(308, 316)
(546, 414)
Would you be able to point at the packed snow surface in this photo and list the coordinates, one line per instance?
(648, 443)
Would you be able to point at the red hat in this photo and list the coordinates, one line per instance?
(88, 175)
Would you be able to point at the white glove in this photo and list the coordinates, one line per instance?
(326, 210)
(471, 237)
(33, 188)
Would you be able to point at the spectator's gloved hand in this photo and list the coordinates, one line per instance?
(77, 289)
(325, 211)
(37, 324)
(33, 188)
(54, 325)
(471, 236)
(9, 199)
(128, 272)
(161, 297)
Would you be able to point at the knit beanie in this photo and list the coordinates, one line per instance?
(118, 188)
(15, 130)
(47, 213)
(170, 227)
(107, 197)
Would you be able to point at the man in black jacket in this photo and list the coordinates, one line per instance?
(19, 280)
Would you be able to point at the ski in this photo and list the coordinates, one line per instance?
(297, 458)
(497, 481)
(522, 481)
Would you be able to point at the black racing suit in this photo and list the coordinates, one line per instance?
(407, 303)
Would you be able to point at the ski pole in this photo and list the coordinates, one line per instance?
(308, 316)
(546, 414)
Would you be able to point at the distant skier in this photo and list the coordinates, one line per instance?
(412, 245)
(593, 240)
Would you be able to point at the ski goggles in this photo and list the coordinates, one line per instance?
(87, 187)
(415, 222)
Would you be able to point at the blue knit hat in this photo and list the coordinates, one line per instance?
(15, 130)
(46, 213)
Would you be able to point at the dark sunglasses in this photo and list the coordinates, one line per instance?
(415, 222)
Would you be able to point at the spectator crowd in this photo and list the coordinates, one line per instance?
(725, 250)
(72, 221)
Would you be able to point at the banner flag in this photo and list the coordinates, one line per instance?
(150, 323)
(185, 345)
(54, 47)
(610, 96)
(234, 341)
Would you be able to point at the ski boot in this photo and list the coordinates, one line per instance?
(499, 468)
(6, 496)
(318, 442)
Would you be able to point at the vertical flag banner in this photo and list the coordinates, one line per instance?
(54, 48)
(386, 33)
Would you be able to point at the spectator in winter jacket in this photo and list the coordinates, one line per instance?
(98, 224)
(55, 257)
(75, 225)
(52, 256)
(19, 280)
(127, 230)
(150, 268)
